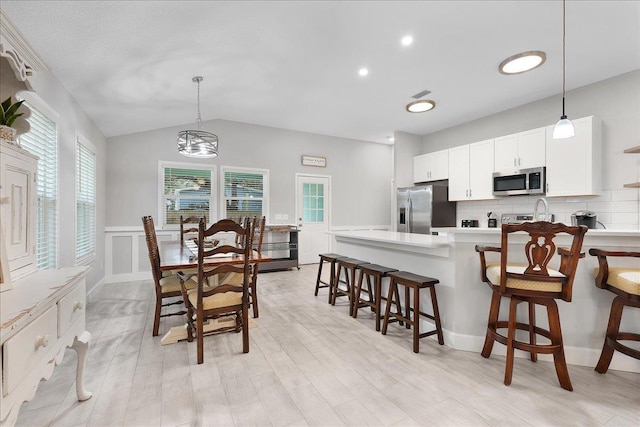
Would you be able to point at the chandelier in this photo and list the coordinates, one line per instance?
(197, 143)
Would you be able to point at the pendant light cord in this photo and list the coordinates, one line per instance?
(199, 119)
(564, 55)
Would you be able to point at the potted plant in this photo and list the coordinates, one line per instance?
(8, 115)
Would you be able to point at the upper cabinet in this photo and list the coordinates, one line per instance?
(470, 171)
(18, 170)
(521, 150)
(431, 166)
(574, 164)
(635, 149)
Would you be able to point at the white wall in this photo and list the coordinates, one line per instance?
(361, 171)
(616, 101)
(73, 119)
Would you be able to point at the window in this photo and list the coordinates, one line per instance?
(245, 192)
(313, 202)
(42, 141)
(85, 201)
(187, 190)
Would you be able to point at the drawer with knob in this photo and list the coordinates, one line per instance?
(22, 352)
(71, 308)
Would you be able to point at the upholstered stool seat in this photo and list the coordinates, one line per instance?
(349, 266)
(331, 259)
(625, 283)
(377, 272)
(417, 283)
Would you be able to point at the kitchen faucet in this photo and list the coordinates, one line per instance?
(546, 209)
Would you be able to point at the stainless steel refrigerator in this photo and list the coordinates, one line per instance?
(423, 207)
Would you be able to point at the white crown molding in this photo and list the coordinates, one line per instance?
(16, 48)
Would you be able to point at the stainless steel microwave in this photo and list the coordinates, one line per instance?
(523, 181)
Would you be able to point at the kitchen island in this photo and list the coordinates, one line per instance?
(464, 299)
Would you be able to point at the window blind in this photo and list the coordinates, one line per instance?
(41, 140)
(244, 193)
(187, 191)
(85, 202)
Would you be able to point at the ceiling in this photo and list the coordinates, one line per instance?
(294, 64)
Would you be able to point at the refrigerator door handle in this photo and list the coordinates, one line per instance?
(410, 220)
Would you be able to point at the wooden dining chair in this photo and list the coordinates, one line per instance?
(167, 286)
(257, 232)
(204, 302)
(625, 283)
(535, 283)
(188, 230)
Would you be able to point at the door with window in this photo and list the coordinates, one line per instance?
(313, 196)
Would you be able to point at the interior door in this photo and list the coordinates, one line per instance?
(313, 196)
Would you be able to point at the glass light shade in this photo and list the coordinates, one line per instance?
(421, 106)
(563, 129)
(197, 143)
(522, 62)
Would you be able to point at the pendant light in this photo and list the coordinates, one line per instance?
(197, 143)
(564, 128)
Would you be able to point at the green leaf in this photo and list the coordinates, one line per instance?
(12, 109)
(12, 119)
(1, 116)
(6, 104)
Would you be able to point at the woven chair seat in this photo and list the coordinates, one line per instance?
(493, 274)
(224, 299)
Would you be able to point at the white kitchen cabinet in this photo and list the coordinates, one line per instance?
(574, 164)
(470, 171)
(431, 166)
(521, 150)
(18, 170)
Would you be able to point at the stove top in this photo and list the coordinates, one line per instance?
(519, 218)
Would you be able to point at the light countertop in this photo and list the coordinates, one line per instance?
(484, 230)
(408, 239)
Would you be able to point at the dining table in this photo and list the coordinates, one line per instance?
(183, 256)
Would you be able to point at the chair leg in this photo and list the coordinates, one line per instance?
(156, 318)
(245, 328)
(356, 296)
(612, 333)
(416, 319)
(377, 284)
(392, 291)
(556, 339)
(319, 276)
(532, 329)
(508, 370)
(436, 315)
(494, 311)
(398, 306)
(332, 280)
(254, 291)
(335, 284)
(407, 306)
(199, 336)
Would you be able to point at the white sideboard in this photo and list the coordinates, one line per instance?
(41, 315)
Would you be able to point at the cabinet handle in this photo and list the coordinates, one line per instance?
(42, 341)
(514, 161)
(77, 305)
(547, 187)
(470, 190)
(519, 161)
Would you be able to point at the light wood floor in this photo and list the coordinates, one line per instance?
(309, 364)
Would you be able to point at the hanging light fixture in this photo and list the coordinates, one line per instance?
(564, 128)
(197, 143)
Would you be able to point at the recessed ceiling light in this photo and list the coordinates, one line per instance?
(407, 40)
(363, 72)
(390, 139)
(421, 106)
(522, 62)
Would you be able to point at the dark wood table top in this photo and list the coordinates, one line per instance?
(175, 256)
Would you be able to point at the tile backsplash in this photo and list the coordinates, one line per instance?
(616, 209)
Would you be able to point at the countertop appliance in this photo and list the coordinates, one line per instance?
(587, 218)
(519, 218)
(423, 207)
(523, 181)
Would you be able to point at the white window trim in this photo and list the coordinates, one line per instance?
(161, 225)
(35, 100)
(265, 195)
(87, 259)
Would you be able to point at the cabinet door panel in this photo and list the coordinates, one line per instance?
(420, 168)
(506, 153)
(439, 165)
(531, 148)
(459, 173)
(481, 170)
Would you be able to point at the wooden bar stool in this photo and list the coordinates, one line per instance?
(330, 258)
(377, 272)
(415, 282)
(349, 265)
(625, 283)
